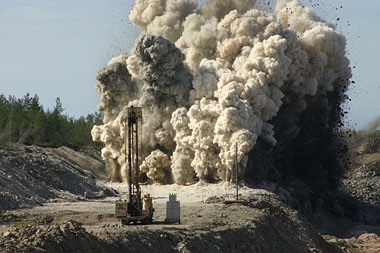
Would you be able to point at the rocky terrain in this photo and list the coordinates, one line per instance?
(362, 181)
(31, 175)
(56, 200)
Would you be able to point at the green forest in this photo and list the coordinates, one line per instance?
(24, 121)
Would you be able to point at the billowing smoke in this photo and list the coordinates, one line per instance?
(374, 125)
(162, 17)
(157, 167)
(222, 84)
(155, 79)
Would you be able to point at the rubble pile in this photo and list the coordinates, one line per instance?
(362, 184)
(67, 237)
(31, 176)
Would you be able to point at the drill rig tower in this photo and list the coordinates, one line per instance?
(135, 208)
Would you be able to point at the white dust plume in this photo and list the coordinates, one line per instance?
(212, 80)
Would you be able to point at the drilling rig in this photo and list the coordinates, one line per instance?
(135, 208)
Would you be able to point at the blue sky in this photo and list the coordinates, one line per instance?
(360, 22)
(53, 48)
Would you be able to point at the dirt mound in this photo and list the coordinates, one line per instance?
(363, 242)
(87, 158)
(362, 180)
(67, 237)
(31, 175)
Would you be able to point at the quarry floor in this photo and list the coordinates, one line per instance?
(200, 210)
(99, 214)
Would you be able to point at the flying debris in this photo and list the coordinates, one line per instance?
(211, 77)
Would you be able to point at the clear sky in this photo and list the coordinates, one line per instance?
(53, 48)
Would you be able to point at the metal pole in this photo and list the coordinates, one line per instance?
(125, 148)
(236, 167)
(130, 180)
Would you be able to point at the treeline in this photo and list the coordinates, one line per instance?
(24, 120)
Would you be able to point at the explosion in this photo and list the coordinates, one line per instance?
(224, 75)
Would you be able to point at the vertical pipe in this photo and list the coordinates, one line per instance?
(129, 154)
(125, 146)
(136, 150)
(236, 167)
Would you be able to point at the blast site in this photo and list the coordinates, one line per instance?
(242, 118)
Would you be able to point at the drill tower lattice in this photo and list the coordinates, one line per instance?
(133, 134)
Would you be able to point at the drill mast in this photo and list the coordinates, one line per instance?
(133, 124)
(136, 208)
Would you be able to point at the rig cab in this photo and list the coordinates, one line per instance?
(128, 212)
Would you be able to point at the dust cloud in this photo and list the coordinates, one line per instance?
(215, 77)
